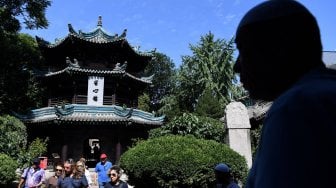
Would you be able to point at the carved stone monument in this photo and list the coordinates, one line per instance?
(238, 125)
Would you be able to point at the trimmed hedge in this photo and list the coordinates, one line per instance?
(179, 161)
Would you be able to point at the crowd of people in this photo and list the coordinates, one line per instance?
(73, 174)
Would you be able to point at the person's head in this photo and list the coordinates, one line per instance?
(83, 160)
(278, 42)
(80, 166)
(36, 163)
(79, 169)
(222, 173)
(58, 170)
(68, 166)
(103, 157)
(114, 173)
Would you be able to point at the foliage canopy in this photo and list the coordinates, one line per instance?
(190, 124)
(163, 70)
(30, 11)
(209, 68)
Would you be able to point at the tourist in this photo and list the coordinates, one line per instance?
(87, 172)
(223, 177)
(78, 178)
(102, 169)
(65, 181)
(115, 173)
(280, 60)
(52, 181)
(32, 176)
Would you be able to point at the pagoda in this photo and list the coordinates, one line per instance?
(93, 81)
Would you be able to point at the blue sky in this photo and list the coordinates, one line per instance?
(168, 25)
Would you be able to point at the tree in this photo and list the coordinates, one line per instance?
(18, 87)
(208, 105)
(170, 107)
(143, 102)
(209, 67)
(163, 69)
(31, 12)
(13, 136)
(189, 124)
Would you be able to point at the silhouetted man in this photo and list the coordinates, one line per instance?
(280, 60)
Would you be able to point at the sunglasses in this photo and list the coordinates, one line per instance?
(59, 170)
(114, 175)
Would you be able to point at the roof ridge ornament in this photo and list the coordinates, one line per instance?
(100, 22)
(119, 67)
(74, 64)
(123, 34)
(71, 29)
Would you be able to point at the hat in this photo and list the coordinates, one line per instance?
(103, 156)
(36, 161)
(221, 167)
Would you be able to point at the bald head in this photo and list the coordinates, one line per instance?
(273, 9)
(278, 42)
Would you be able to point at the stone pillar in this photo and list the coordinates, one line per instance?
(118, 151)
(238, 125)
(64, 152)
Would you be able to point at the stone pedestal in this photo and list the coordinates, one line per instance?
(238, 125)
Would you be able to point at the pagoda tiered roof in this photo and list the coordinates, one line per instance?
(118, 70)
(97, 36)
(71, 113)
(96, 46)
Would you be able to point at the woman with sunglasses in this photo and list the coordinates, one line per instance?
(52, 181)
(114, 173)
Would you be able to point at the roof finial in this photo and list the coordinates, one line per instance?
(100, 22)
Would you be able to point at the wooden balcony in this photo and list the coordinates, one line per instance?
(82, 99)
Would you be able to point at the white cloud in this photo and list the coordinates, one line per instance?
(228, 18)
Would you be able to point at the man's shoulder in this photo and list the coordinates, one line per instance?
(123, 184)
(98, 164)
(233, 185)
(309, 90)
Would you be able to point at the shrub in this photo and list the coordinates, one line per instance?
(35, 149)
(13, 141)
(198, 126)
(179, 161)
(13, 136)
(7, 169)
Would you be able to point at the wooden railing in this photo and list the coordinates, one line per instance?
(82, 99)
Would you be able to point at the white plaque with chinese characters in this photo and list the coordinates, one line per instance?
(95, 90)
